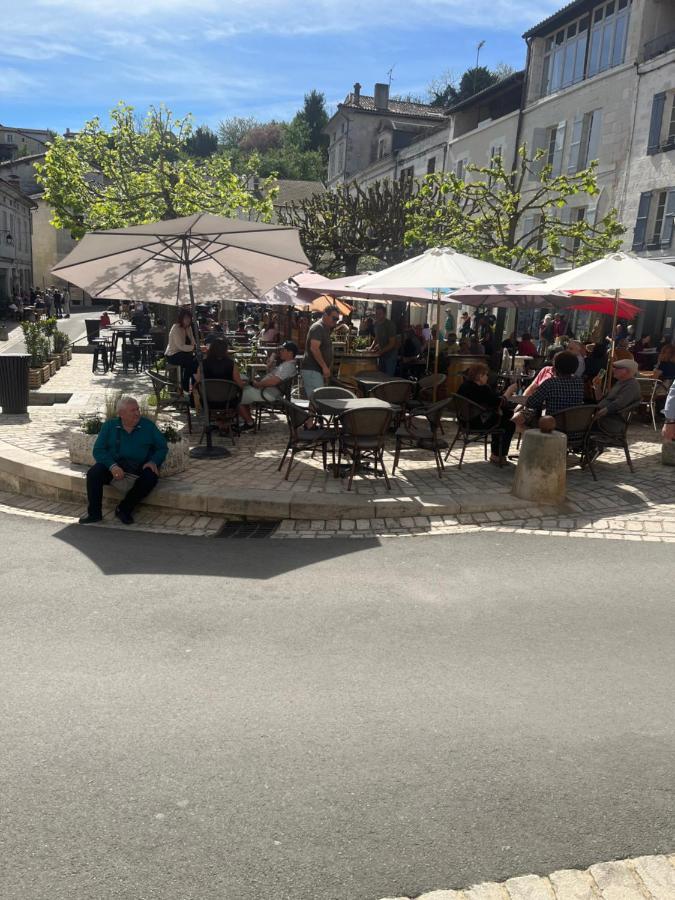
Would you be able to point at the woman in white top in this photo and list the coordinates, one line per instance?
(180, 350)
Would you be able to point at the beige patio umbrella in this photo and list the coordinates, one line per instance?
(167, 262)
(442, 270)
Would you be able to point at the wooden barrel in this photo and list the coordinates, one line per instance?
(351, 363)
(457, 364)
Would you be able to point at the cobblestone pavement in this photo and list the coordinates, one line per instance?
(620, 505)
(642, 878)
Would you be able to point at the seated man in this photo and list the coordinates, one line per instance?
(286, 370)
(559, 392)
(126, 445)
(623, 396)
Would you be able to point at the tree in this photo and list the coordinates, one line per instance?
(518, 219)
(140, 172)
(202, 143)
(340, 228)
(314, 116)
(449, 89)
(231, 131)
(262, 138)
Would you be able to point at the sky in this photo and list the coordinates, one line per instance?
(62, 62)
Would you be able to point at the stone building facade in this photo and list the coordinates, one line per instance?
(15, 240)
(599, 83)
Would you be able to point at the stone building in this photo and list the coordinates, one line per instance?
(15, 240)
(598, 84)
(15, 142)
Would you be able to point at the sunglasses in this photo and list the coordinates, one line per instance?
(335, 318)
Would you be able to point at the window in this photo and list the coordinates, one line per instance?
(577, 215)
(460, 168)
(341, 157)
(407, 175)
(552, 141)
(655, 218)
(586, 46)
(496, 152)
(585, 141)
(380, 148)
(662, 124)
(431, 165)
(533, 234)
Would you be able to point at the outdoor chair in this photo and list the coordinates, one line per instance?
(223, 399)
(301, 439)
(651, 390)
(93, 327)
(271, 401)
(472, 425)
(575, 422)
(166, 395)
(398, 393)
(417, 434)
(599, 441)
(361, 436)
(329, 392)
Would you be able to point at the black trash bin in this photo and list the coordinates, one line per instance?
(14, 382)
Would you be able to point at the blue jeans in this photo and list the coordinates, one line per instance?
(387, 363)
(311, 380)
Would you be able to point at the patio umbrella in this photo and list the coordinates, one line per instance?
(442, 270)
(319, 304)
(311, 284)
(166, 262)
(619, 276)
(605, 306)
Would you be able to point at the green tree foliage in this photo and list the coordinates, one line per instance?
(141, 171)
(448, 90)
(202, 143)
(341, 228)
(519, 219)
(231, 131)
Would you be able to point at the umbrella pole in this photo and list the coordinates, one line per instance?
(612, 346)
(515, 348)
(208, 451)
(438, 341)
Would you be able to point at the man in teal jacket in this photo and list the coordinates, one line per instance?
(127, 445)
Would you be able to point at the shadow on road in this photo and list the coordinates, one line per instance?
(141, 553)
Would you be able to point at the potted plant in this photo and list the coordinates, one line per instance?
(36, 346)
(61, 342)
(81, 441)
(48, 328)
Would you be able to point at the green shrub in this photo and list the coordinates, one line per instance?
(91, 424)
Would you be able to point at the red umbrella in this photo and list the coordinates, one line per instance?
(606, 306)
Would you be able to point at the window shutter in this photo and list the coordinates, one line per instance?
(575, 145)
(538, 143)
(658, 105)
(594, 135)
(559, 147)
(667, 233)
(640, 233)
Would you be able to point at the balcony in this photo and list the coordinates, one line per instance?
(659, 45)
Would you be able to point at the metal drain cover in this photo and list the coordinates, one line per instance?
(250, 529)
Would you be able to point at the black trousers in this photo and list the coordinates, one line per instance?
(188, 367)
(100, 475)
(499, 443)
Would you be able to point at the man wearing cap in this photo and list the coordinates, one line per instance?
(623, 396)
(285, 371)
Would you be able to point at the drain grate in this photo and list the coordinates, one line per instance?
(250, 529)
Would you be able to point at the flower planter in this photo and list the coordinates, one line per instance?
(34, 379)
(81, 446)
(46, 370)
(51, 364)
(64, 358)
(55, 358)
(69, 351)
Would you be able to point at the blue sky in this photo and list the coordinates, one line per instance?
(64, 61)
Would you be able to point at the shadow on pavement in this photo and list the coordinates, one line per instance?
(134, 553)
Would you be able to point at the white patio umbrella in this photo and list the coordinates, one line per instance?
(165, 262)
(441, 270)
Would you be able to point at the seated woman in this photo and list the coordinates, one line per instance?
(270, 334)
(665, 365)
(218, 364)
(180, 350)
(453, 346)
(476, 388)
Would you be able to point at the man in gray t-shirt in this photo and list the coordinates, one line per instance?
(386, 342)
(253, 393)
(317, 362)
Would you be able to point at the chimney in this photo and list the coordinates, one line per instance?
(357, 94)
(381, 96)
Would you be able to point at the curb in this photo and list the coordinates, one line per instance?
(20, 473)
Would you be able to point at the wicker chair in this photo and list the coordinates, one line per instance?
(272, 398)
(600, 440)
(362, 435)
(301, 439)
(576, 423)
(416, 434)
(223, 399)
(398, 393)
(651, 390)
(167, 395)
(469, 426)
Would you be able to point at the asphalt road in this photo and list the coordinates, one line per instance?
(193, 719)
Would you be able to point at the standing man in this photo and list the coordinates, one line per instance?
(127, 445)
(386, 342)
(66, 302)
(317, 362)
(58, 303)
(668, 430)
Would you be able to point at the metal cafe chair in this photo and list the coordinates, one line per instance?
(362, 435)
(472, 425)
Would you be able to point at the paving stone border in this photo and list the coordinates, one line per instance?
(641, 878)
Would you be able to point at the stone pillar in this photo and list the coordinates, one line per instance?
(541, 472)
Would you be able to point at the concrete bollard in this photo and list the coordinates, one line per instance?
(668, 453)
(541, 473)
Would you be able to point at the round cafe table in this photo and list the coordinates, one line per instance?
(337, 406)
(366, 381)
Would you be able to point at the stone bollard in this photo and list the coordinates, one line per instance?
(668, 453)
(542, 466)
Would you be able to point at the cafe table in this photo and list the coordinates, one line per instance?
(366, 381)
(337, 406)
(123, 333)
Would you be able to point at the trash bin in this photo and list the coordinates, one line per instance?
(14, 382)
